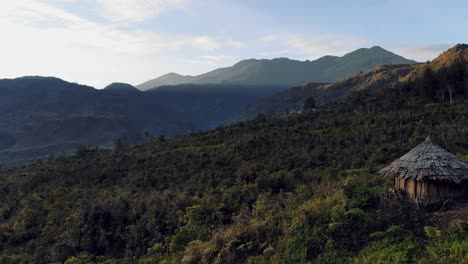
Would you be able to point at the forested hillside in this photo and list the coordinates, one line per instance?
(40, 116)
(282, 190)
(44, 115)
(293, 99)
(442, 79)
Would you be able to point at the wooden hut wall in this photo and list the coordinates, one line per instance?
(432, 190)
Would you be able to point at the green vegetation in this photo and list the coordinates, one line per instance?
(442, 80)
(290, 189)
(42, 115)
(372, 82)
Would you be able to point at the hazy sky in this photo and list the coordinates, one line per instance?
(96, 42)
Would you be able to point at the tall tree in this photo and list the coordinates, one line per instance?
(310, 103)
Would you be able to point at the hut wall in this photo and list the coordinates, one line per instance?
(432, 190)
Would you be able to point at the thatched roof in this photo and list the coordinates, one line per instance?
(428, 161)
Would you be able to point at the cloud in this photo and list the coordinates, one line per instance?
(212, 60)
(205, 43)
(136, 10)
(46, 40)
(314, 47)
(421, 53)
(217, 58)
(236, 44)
(275, 53)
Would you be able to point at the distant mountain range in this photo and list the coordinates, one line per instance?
(286, 72)
(43, 115)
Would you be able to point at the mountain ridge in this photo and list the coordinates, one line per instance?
(40, 115)
(375, 80)
(285, 71)
(117, 87)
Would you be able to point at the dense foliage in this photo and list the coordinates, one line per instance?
(43, 115)
(288, 189)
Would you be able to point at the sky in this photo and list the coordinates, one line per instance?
(97, 42)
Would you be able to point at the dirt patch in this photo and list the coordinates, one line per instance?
(455, 214)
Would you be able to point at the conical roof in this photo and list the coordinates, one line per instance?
(428, 161)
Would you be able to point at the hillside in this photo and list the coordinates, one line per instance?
(284, 102)
(44, 115)
(286, 72)
(284, 190)
(209, 105)
(292, 100)
(34, 108)
(445, 76)
(121, 88)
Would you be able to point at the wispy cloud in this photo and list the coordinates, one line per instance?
(205, 43)
(236, 44)
(421, 53)
(136, 10)
(46, 40)
(212, 60)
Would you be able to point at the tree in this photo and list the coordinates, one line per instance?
(310, 103)
(161, 138)
(429, 83)
(466, 81)
(82, 151)
(456, 76)
(121, 144)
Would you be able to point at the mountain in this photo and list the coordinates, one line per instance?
(453, 60)
(121, 88)
(284, 102)
(167, 79)
(44, 115)
(292, 100)
(286, 72)
(210, 105)
(443, 78)
(300, 188)
(296, 189)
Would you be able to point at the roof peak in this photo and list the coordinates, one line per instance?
(428, 161)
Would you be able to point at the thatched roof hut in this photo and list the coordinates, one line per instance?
(429, 172)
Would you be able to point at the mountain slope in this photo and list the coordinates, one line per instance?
(443, 78)
(373, 81)
(283, 71)
(40, 115)
(210, 105)
(43, 115)
(167, 79)
(121, 88)
(296, 189)
(289, 101)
